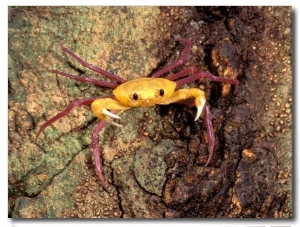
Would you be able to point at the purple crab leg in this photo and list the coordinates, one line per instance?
(96, 153)
(87, 80)
(210, 133)
(86, 101)
(199, 75)
(94, 68)
(179, 62)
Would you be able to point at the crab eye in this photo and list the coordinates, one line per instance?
(135, 96)
(161, 92)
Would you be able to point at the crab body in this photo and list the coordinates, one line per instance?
(142, 92)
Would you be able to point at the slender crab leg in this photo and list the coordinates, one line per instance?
(87, 80)
(96, 153)
(179, 62)
(96, 150)
(94, 68)
(210, 132)
(87, 101)
(199, 75)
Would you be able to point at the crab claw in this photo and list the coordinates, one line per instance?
(108, 117)
(200, 103)
(106, 109)
(109, 114)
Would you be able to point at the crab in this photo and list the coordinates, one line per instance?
(141, 92)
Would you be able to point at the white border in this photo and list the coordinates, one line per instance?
(153, 2)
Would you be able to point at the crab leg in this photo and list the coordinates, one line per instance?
(86, 101)
(210, 133)
(94, 68)
(179, 62)
(199, 75)
(96, 153)
(87, 79)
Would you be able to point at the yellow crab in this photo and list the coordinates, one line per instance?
(141, 92)
(144, 92)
